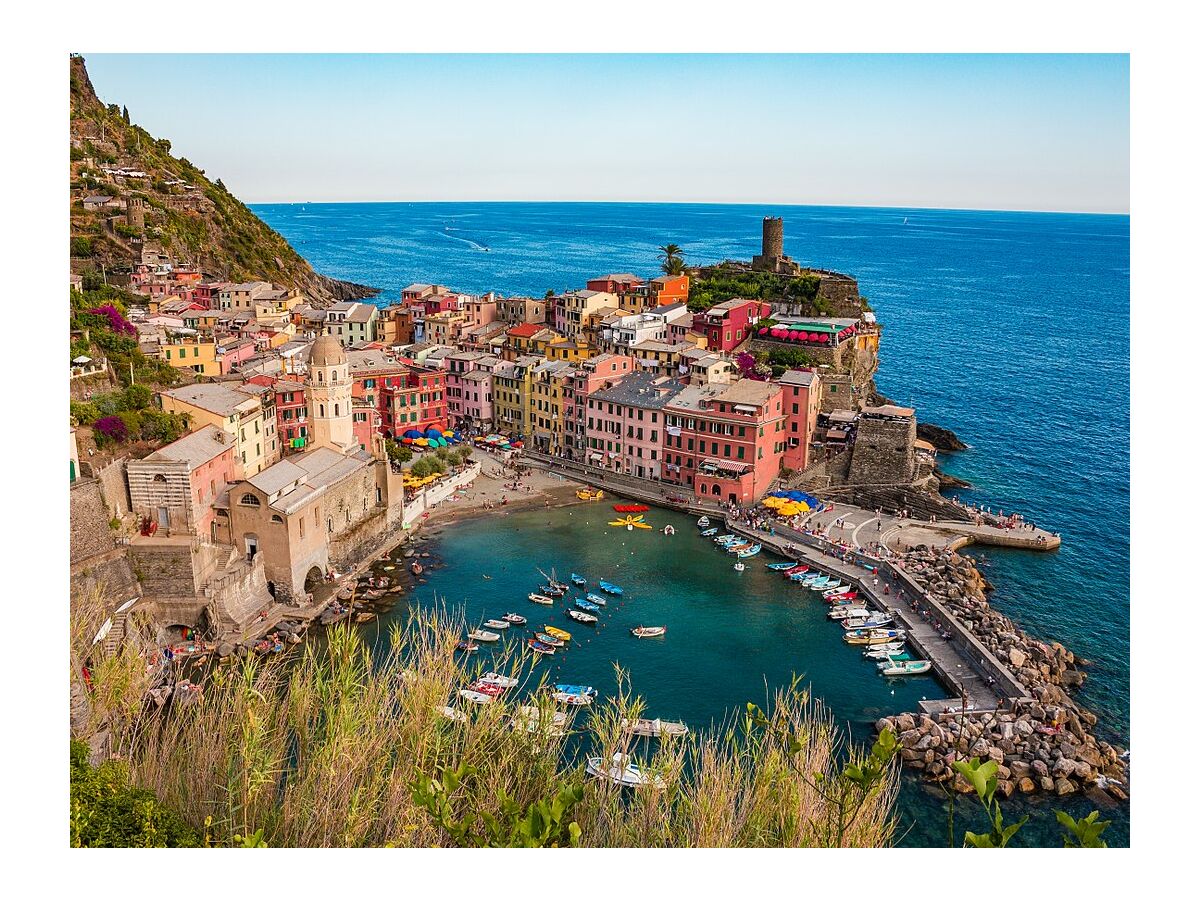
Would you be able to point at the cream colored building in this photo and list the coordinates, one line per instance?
(235, 412)
(329, 396)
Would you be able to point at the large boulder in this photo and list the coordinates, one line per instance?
(1026, 785)
(1016, 657)
(1064, 786)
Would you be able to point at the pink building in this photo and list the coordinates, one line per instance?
(231, 353)
(626, 424)
(461, 394)
(175, 486)
(586, 377)
(801, 404)
(728, 325)
(725, 440)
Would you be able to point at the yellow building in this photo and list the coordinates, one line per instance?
(563, 350)
(546, 426)
(512, 394)
(443, 328)
(529, 339)
(236, 413)
(655, 356)
(196, 354)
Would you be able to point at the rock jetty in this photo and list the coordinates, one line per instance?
(1043, 742)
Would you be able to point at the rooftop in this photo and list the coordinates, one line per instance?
(195, 449)
(214, 397)
(798, 378)
(645, 390)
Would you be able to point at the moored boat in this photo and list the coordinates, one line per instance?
(553, 590)
(581, 616)
(542, 599)
(750, 551)
(702, 522)
(873, 620)
(498, 624)
(597, 599)
(587, 605)
(782, 566)
(709, 532)
(454, 715)
(484, 637)
(668, 529)
(530, 718)
(578, 579)
(572, 699)
(487, 687)
(648, 631)
(539, 647)
(496, 678)
(514, 619)
(548, 639)
(466, 646)
(848, 612)
(620, 769)
(739, 566)
(907, 667)
(611, 588)
(882, 651)
(476, 696)
(654, 728)
(873, 636)
(557, 632)
(891, 658)
(577, 689)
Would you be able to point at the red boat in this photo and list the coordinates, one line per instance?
(836, 598)
(631, 508)
(487, 687)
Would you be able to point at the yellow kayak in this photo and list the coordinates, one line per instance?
(557, 632)
(588, 494)
(630, 522)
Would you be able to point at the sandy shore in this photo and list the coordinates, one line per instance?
(485, 496)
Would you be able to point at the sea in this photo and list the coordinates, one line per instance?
(1010, 328)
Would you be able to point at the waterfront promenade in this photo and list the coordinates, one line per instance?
(863, 528)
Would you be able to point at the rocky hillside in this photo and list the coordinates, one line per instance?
(192, 218)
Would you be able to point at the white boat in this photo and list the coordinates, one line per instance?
(580, 616)
(739, 567)
(542, 599)
(702, 522)
(832, 586)
(529, 718)
(654, 727)
(476, 696)
(484, 637)
(907, 667)
(498, 624)
(454, 715)
(620, 769)
(648, 631)
(875, 620)
(749, 552)
(571, 699)
(884, 651)
(848, 612)
(499, 680)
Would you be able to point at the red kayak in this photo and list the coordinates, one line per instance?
(630, 508)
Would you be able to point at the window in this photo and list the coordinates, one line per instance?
(275, 517)
(250, 500)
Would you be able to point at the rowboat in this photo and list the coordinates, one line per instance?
(498, 624)
(738, 547)
(578, 579)
(739, 567)
(707, 532)
(587, 604)
(529, 718)
(597, 599)
(883, 651)
(782, 566)
(839, 594)
(725, 538)
(495, 678)
(654, 728)
(873, 636)
(668, 529)
(831, 586)
(648, 631)
(848, 612)
(573, 699)
(514, 619)
(549, 639)
(538, 647)
(454, 715)
(802, 574)
(484, 637)
(702, 522)
(621, 770)
(476, 696)
(577, 689)
(611, 588)
(466, 646)
(579, 616)
(557, 632)
(907, 667)
(553, 590)
(818, 583)
(890, 659)
(542, 599)
(752, 551)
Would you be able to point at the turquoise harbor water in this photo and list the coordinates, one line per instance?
(1010, 328)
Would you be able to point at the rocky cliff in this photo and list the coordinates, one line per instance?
(192, 218)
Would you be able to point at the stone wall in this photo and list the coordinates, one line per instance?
(883, 451)
(90, 534)
(114, 486)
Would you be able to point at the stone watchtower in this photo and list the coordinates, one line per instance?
(884, 447)
(135, 212)
(331, 419)
(772, 259)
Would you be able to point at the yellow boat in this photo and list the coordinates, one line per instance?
(557, 632)
(589, 494)
(630, 522)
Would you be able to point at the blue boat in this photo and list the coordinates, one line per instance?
(709, 532)
(597, 599)
(611, 588)
(587, 605)
(578, 579)
(584, 690)
(782, 567)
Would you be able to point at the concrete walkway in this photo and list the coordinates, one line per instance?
(864, 528)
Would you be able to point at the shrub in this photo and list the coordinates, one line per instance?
(114, 318)
(81, 246)
(111, 429)
(84, 413)
(106, 811)
(136, 396)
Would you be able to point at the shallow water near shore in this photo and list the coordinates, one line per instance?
(1010, 328)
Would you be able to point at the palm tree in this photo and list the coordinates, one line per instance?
(672, 259)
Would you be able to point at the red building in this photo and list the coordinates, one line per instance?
(404, 395)
(725, 440)
(801, 404)
(728, 325)
(291, 410)
(668, 289)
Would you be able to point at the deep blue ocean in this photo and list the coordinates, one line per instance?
(1010, 328)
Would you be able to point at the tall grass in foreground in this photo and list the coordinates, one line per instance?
(325, 750)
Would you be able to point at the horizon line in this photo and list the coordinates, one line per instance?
(1064, 212)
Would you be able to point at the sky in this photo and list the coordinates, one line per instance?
(1037, 132)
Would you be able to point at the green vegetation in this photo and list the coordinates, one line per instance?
(397, 453)
(672, 259)
(721, 283)
(135, 407)
(107, 811)
(110, 337)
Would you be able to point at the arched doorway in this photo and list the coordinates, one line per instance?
(314, 579)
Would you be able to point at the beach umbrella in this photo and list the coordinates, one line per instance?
(421, 442)
(823, 338)
(406, 440)
(779, 332)
(433, 432)
(518, 444)
(413, 433)
(804, 507)
(763, 331)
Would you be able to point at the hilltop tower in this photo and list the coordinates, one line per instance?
(135, 212)
(772, 259)
(331, 419)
